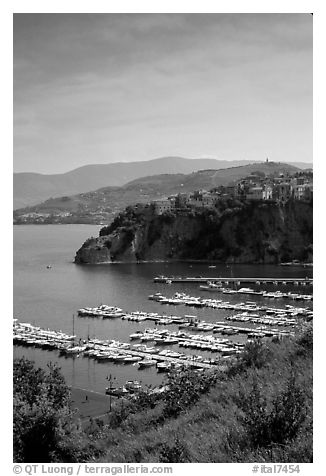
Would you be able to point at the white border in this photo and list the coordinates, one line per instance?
(167, 6)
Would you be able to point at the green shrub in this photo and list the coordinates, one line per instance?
(276, 420)
(255, 354)
(174, 453)
(44, 426)
(185, 388)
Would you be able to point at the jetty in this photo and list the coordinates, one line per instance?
(231, 280)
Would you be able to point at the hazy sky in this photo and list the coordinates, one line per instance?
(100, 88)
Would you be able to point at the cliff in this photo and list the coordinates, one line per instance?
(235, 232)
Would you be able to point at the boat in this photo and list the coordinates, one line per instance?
(136, 335)
(119, 357)
(211, 286)
(159, 340)
(155, 297)
(132, 385)
(170, 341)
(130, 359)
(146, 363)
(117, 391)
(185, 325)
(147, 337)
(163, 366)
(246, 291)
(149, 350)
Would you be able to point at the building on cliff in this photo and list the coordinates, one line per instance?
(162, 206)
(255, 193)
(254, 187)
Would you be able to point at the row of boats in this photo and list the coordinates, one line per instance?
(248, 311)
(235, 281)
(273, 295)
(183, 339)
(108, 350)
(248, 306)
(217, 344)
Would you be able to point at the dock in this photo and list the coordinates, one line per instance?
(231, 280)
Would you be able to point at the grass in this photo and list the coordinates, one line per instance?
(260, 410)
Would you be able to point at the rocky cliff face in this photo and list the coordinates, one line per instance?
(236, 232)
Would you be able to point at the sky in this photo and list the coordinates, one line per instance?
(102, 88)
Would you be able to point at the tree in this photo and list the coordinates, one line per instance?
(44, 426)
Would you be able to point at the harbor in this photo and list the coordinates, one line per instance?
(264, 322)
(260, 319)
(125, 289)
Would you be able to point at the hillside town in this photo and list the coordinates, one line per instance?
(101, 206)
(255, 187)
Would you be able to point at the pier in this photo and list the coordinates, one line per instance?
(229, 280)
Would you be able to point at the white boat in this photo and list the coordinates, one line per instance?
(136, 335)
(119, 357)
(146, 363)
(163, 366)
(245, 291)
(131, 359)
(147, 337)
(132, 385)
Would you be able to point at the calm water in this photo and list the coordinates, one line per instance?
(50, 297)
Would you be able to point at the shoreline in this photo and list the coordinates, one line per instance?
(89, 404)
(194, 261)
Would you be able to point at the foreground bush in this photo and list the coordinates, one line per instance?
(44, 428)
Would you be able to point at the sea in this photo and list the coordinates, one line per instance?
(50, 298)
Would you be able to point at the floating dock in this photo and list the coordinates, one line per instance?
(227, 280)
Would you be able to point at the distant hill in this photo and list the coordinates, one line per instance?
(33, 188)
(207, 179)
(101, 205)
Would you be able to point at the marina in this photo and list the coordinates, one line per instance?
(44, 299)
(27, 335)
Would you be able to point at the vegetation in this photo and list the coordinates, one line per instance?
(44, 427)
(258, 408)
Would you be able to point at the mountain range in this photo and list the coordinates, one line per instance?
(33, 188)
(101, 205)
